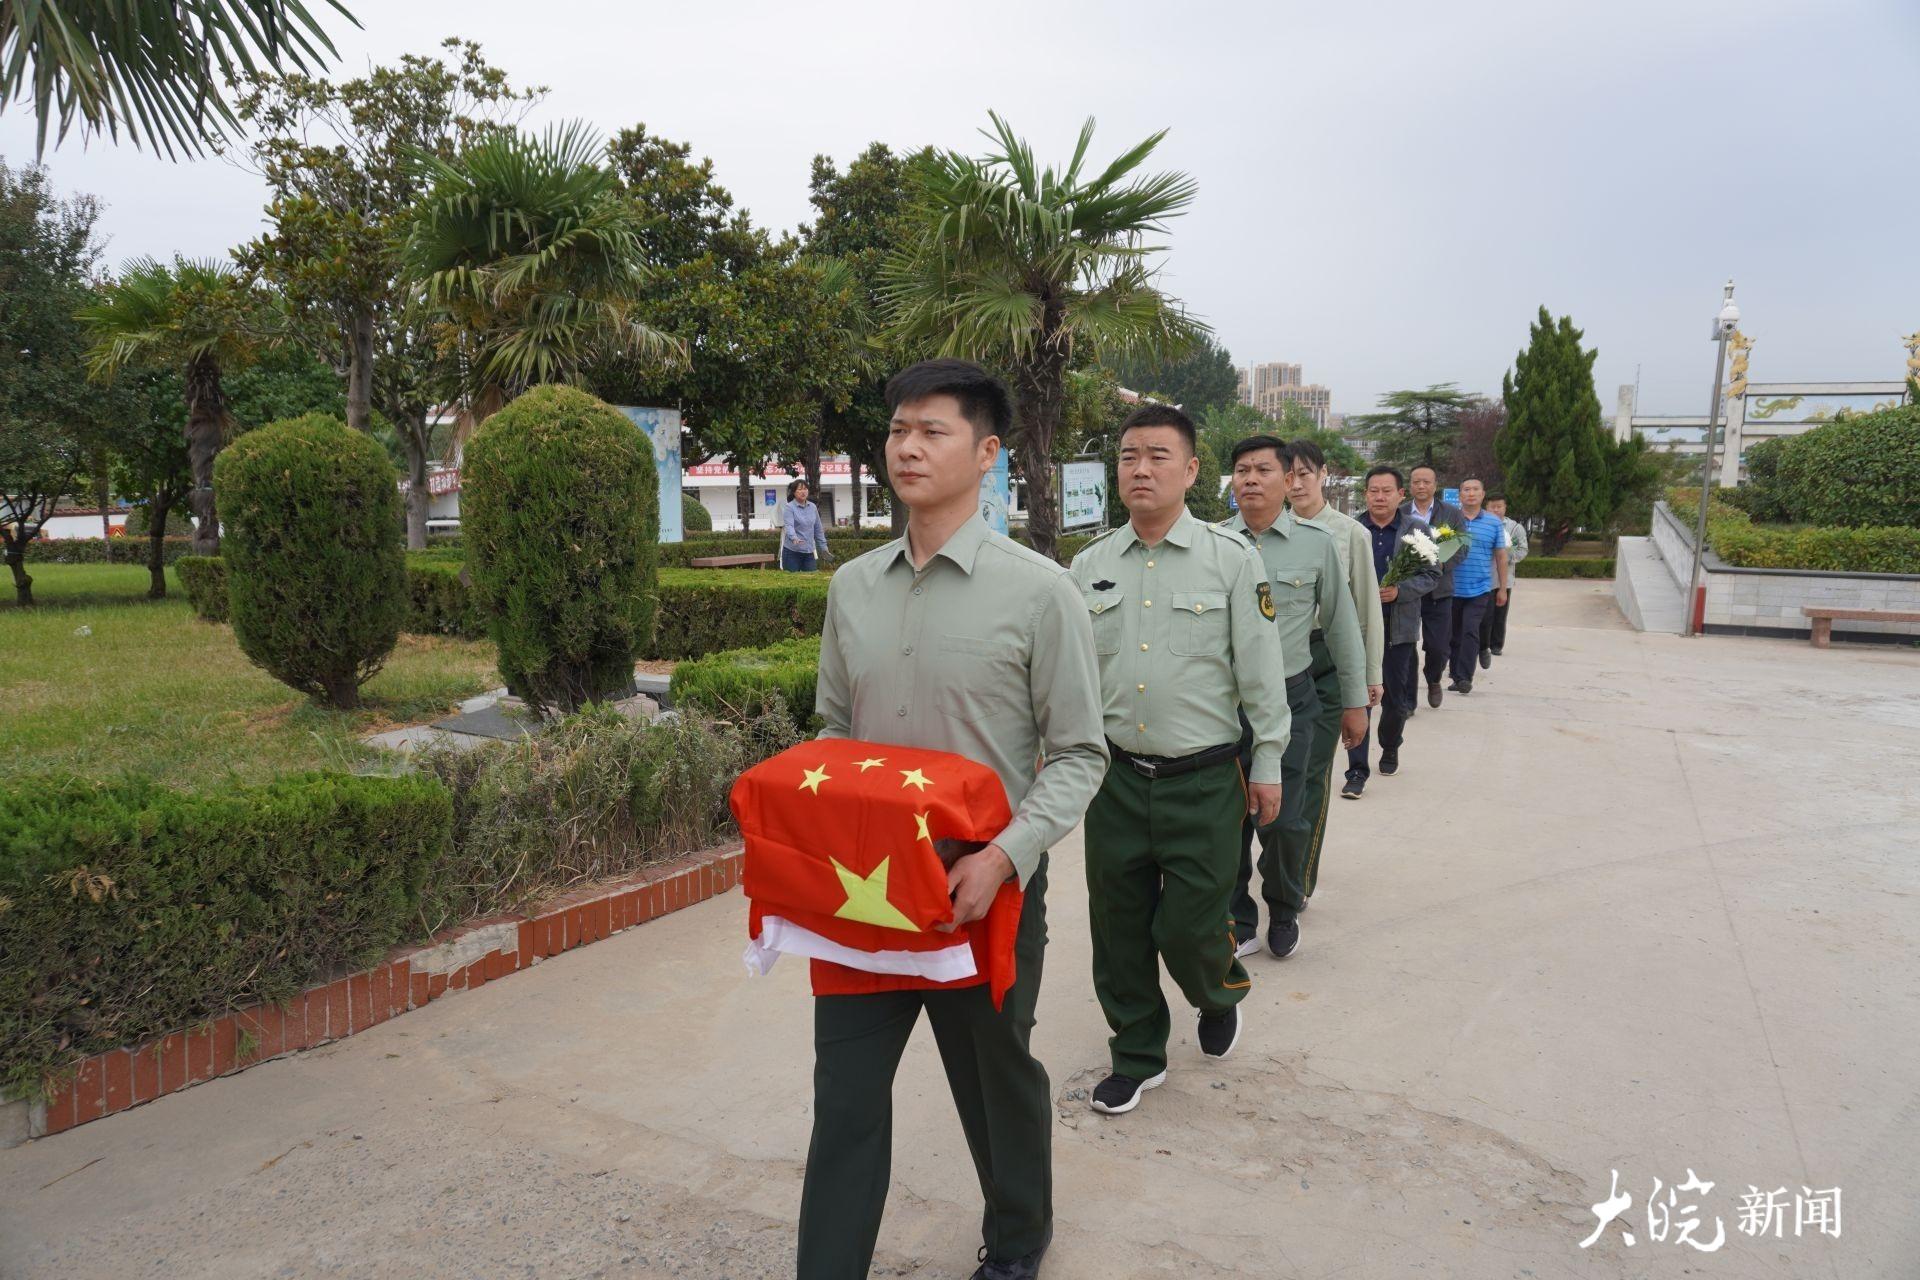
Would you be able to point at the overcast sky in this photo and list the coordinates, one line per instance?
(1387, 191)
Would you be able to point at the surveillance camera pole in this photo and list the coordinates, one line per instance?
(1723, 327)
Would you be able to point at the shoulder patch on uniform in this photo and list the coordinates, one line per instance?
(1266, 600)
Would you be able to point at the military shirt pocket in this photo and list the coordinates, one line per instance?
(978, 678)
(1199, 623)
(1295, 592)
(1103, 611)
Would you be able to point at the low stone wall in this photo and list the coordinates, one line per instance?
(1767, 602)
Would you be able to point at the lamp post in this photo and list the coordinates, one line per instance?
(1723, 326)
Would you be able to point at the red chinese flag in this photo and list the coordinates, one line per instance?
(842, 866)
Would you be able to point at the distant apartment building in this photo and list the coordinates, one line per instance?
(1270, 387)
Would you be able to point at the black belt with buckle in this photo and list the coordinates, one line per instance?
(1173, 766)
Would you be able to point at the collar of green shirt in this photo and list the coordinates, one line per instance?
(1180, 535)
(1282, 524)
(962, 546)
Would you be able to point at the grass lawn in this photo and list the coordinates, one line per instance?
(154, 690)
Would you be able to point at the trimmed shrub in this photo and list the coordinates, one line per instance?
(694, 516)
(1740, 542)
(1761, 497)
(706, 611)
(438, 602)
(1856, 473)
(316, 581)
(1564, 567)
(103, 550)
(594, 795)
(744, 683)
(560, 519)
(677, 555)
(131, 910)
(204, 578)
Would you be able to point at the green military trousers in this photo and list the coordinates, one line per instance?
(1001, 1091)
(1304, 850)
(1281, 883)
(1161, 857)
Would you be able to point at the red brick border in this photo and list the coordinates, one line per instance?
(458, 959)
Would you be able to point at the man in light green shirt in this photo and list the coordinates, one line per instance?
(1311, 606)
(955, 638)
(1183, 626)
(1308, 497)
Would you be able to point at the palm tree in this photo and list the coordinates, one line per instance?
(151, 67)
(200, 316)
(1028, 268)
(527, 255)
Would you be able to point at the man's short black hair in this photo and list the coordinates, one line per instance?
(983, 398)
(1308, 452)
(1399, 481)
(1498, 495)
(1467, 480)
(1163, 415)
(1254, 444)
(1425, 466)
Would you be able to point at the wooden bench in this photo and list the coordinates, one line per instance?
(1823, 619)
(731, 562)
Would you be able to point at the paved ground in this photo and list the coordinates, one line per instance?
(1640, 903)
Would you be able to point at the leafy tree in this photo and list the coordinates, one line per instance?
(341, 161)
(152, 464)
(864, 215)
(201, 317)
(1021, 267)
(527, 258)
(1555, 450)
(1202, 379)
(150, 68)
(1415, 428)
(758, 327)
(50, 414)
(1473, 452)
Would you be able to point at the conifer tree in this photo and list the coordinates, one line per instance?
(1554, 450)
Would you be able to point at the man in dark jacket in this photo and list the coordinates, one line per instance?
(1400, 606)
(1436, 608)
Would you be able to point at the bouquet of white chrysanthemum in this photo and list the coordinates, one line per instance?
(1417, 553)
(1449, 540)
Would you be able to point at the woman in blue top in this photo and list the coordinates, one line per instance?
(800, 531)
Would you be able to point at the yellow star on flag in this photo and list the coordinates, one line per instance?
(870, 764)
(920, 819)
(814, 778)
(867, 899)
(915, 778)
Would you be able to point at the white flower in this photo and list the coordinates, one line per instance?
(1423, 546)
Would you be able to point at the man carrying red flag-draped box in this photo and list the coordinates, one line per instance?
(953, 639)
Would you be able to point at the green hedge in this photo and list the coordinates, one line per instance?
(694, 516)
(204, 578)
(1736, 539)
(438, 603)
(1565, 567)
(748, 682)
(1861, 472)
(104, 550)
(706, 611)
(132, 910)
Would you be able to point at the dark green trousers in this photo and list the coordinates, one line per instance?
(1279, 885)
(1001, 1091)
(1305, 849)
(1161, 855)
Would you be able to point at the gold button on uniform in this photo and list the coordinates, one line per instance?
(1149, 564)
(1149, 604)
(1140, 688)
(1143, 728)
(1143, 648)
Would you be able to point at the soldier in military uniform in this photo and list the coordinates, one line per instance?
(956, 638)
(1183, 626)
(1314, 615)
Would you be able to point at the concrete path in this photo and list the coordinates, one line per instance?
(1639, 904)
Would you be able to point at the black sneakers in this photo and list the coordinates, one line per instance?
(1433, 693)
(1219, 1032)
(1282, 937)
(1118, 1094)
(1390, 760)
(1356, 783)
(1027, 1268)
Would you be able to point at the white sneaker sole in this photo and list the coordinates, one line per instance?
(1239, 1024)
(1251, 947)
(1152, 1082)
